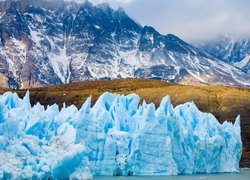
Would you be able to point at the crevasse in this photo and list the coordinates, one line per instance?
(117, 136)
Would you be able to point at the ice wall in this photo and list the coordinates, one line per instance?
(117, 136)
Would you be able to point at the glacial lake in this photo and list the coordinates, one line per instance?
(243, 175)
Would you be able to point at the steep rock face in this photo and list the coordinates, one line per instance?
(44, 43)
(225, 48)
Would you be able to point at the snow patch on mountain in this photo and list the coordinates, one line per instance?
(60, 63)
(242, 64)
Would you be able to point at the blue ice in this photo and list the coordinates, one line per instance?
(117, 136)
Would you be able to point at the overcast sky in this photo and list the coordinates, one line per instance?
(191, 20)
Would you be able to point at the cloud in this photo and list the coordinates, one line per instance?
(192, 20)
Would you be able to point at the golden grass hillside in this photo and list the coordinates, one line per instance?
(224, 102)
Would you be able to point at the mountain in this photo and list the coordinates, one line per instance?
(229, 50)
(244, 64)
(56, 42)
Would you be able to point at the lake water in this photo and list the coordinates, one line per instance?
(243, 175)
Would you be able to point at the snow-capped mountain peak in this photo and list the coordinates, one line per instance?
(47, 42)
(231, 50)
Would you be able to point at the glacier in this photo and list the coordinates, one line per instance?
(117, 136)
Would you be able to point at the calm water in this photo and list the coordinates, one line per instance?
(243, 175)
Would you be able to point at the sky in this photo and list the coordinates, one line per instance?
(192, 20)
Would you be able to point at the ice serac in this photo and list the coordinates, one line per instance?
(117, 136)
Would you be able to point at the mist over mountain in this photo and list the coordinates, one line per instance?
(55, 42)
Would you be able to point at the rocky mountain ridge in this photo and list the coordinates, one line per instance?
(56, 42)
(235, 51)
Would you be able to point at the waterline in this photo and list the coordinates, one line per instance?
(243, 175)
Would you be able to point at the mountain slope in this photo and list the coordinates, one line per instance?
(244, 64)
(45, 43)
(229, 50)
